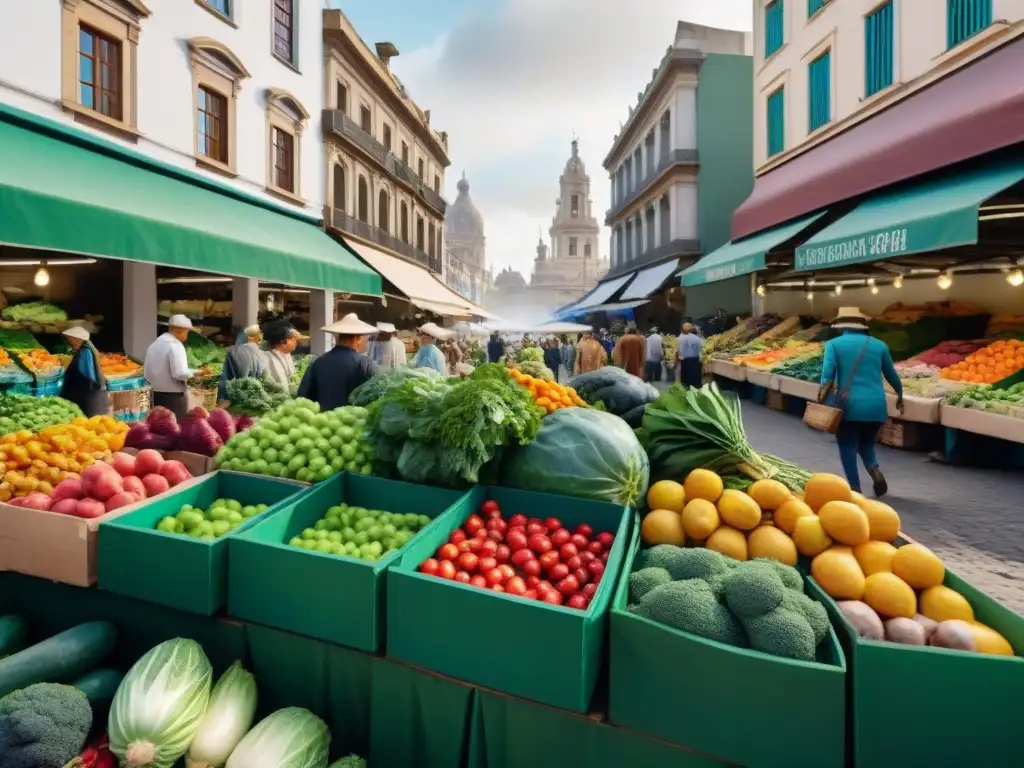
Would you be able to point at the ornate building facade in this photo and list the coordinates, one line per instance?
(465, 268)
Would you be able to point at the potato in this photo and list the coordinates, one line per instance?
(863, 618)
(955, 634)
(928, 624)
(906, 631)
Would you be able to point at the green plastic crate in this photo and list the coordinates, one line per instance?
(329, 597)
(548, 653)
(932, 706)
(691, 691)
(136, 560)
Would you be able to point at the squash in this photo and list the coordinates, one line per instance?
(13, 635)
(769, 494)
(662, 526)
(987, 640)
(739, 510)
(940, 603)
(890, 596)
(700, 519)
(99, 686)
(823, 487)
(845, 522)
(810, 538)
(874, 557)
(768, 541)
(918, 566)
(839, 574)
(59, 658)
(666, 494)
(883, 521)
(785, 517)
(729, 542)
(703, 484)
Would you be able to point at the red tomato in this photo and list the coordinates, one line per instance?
(552, 524)
(481, 535)
(606, 539)
(533, 528)
(489, 506)
(535, 520)
(458, 536)
(502, 553)
(429, 566)
(507, 571)
(464, 546)
(589, 589)
(604, 557)
(578, 601)
(517, 520)
(494, 576)
(555, 598)
(462, 577)
(567, 550)
(582, 575)
(548, 559)
(580, 541)
(446, 570)
(532, 568)
(596, 547)
(468, 561)
(478, 581)
(596, 567)
(516, 586)
(597, 579)
(559, 537)
(545, 586)
(539, 543)
(497, 524)
(584, 530)
(586, 556)
(558, 572)
(530, 594)
(488, 548)
(520, 528)
(532, 582)
(448, 552)
(473, 524)
(568, 586)
(497, 588)
(472, 545)
(575, 562)
(496, 536)
(516, 540)
(486, 563)
(521, 556)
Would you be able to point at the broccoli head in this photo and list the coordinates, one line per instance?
(43, 726)
(781, 632)
(810, 609)
(752, 589)
(683, 564)
(790, 576)
(643, 581)
(691, 606)
(352, 761)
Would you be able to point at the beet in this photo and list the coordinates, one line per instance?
(198, 436)
(243, 423)
(162, 421)
(199, 412)
(138, 435)
(222, 423)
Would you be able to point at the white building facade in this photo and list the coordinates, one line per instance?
(465, 268)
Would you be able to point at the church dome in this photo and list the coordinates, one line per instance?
(574, 165)
(462, 218)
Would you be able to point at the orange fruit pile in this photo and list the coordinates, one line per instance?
(39, 360)
(112, 364)
(989, 364)
(549, 395)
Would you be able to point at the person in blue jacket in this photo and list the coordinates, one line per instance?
(428, 355)
(853, 367)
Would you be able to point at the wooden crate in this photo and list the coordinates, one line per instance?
(910, 435)
(775, 400)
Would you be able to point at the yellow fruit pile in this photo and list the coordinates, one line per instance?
(37, 462)
(849, 539)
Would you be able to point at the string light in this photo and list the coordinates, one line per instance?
(42, 277)
(1015, 278)
(871, 281)
(760, 290)
(810, 295)
(874, 289)
(897, 282)
(838, 290)
(944, 281)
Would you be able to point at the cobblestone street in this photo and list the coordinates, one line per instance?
(972, 518)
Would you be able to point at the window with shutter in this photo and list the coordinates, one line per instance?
(966, 18)
(776, 122)
(819, 74)
(878, 50)
(774, 26)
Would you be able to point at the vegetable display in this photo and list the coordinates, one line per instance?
(525, 557)
(41, 312)
(222, 516)
(228, 718)
(546, 393)
(373, 388)
(536, 370)
(59, 659)
(43, 726)
(622, 393)
(530, 355)
(201, 431)
(301, 364)
(581, 452)
(255, 397)
(289, 738)
(1007, 402)
(365, 534)
(24, 412)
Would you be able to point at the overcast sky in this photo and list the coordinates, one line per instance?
(512, 80)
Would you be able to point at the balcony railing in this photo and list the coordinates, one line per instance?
(353, 226)
(666, 161)
(654, 255)
(337, 123)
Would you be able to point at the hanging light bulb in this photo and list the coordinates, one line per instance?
(810, 295)
(838, 290)
(810, 283)
(1015, 278)
(42, 277)
(897, 282)
(760, 290)
(874, 290)
(871, 281)
(270, 302)
(944, 281)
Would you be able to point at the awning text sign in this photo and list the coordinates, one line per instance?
(734, 268)
(875, 246)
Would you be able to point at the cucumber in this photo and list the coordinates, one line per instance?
(13, 635)
(99, 686)
(59, 658)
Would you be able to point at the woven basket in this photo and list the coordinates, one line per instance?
(207, 398)
(825, 418)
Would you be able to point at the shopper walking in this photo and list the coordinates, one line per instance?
(688, 355)
(330, 379)
(245, 360)
(495, 348)
(655, 355)
(282, 340)
(428, 355)
(630, 351)
(392, 348)
(590, 355)
(568, 356)
(553, 356)
(851, 379)
(452, 355)
(166, 366)
(84, 382)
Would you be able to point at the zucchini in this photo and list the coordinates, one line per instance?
(99, 686)
(59, 658)
(13, 635)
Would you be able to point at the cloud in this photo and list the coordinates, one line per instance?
(511, 83)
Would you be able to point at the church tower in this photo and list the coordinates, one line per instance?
(575, 233)
(466, 246)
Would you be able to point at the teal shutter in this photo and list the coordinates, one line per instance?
(819, 73)
(965, 18)
(878, 42)
(813, 6)
(776, 122)
(774, 14)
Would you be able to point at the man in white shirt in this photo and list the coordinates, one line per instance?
(282, 339)
(166, 366)
(391, 350)
(655, 353)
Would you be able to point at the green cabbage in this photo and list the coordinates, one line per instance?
(289, 738)
(228, 718)
(581, 452)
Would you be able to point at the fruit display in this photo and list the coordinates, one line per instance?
(117, 366)
(547, 394)
(41, 363)
(940, 356)
(221, 517)
(616, 391)
(24, 412)
(524, 557)
(758, 604)
(299, 441)
(365, 534)
(1006, 402)
(989, 364)
(11, 372)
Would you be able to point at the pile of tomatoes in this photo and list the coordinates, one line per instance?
(527, 557)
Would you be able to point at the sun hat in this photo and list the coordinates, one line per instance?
(252, 330)
(77, 332)
(386, 327)
(431, 329)
(178, 321)
(850, 317)
(350, 325)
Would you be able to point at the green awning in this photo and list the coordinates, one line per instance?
(59, 196)
(917, 218)
(744, 256)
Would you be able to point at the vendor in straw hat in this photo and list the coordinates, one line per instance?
(331, 378)
(84, 382)
(429, 356)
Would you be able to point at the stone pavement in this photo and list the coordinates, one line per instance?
(972, 518)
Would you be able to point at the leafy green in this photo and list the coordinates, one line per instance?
(491, 371)
(255, 397)
(530, 354)
(537, 370)
(301, 364)
(372, 389)
(41, 312)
